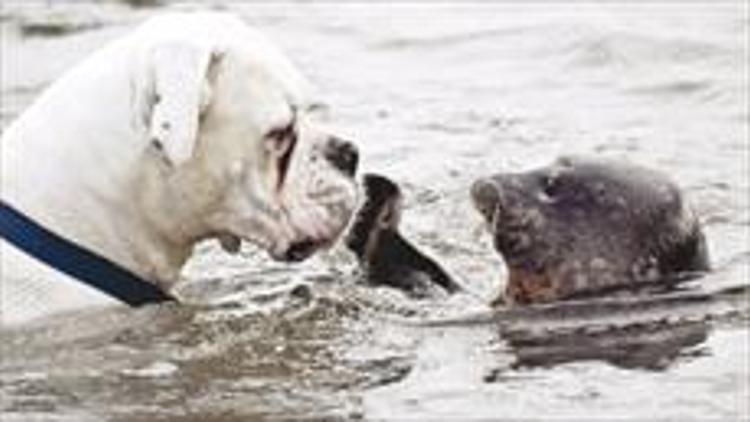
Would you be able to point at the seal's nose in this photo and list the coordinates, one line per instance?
(343, 155)
(485, 195)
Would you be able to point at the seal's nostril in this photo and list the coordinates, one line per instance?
(485, 195)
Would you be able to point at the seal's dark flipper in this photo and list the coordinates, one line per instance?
(380, 211)
(386, 257)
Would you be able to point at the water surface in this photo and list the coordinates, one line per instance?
(437, 95)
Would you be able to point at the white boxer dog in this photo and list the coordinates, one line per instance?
(192, 127)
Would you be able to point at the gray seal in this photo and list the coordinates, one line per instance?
(385, 257)
(585, 226)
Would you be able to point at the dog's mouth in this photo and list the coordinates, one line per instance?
(312, 227)
(292, 233)
(230, 243)
(300, 250)
(295, 252)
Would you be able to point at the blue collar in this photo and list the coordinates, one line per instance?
(75, 261)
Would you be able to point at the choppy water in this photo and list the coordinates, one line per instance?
(437, 95)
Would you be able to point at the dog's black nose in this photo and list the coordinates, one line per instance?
(343, 155)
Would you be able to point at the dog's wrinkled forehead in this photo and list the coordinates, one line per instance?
(254, 66)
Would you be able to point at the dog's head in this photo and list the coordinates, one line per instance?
(233, 132)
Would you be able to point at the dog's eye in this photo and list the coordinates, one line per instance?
(282, 142)
(551, 186)
(281, 139)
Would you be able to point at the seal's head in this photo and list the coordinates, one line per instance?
(584, 225)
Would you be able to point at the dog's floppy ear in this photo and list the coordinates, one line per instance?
(180, 92)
